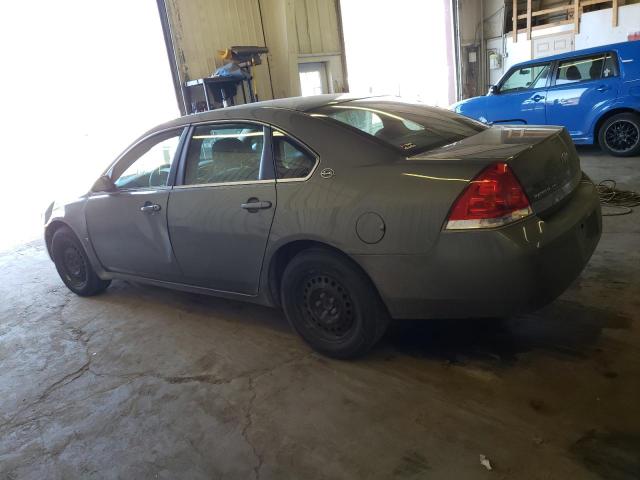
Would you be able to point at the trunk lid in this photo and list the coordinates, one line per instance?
(543, 159)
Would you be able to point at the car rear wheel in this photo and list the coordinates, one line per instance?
(73, 265)
(620, 135)
(332, 304)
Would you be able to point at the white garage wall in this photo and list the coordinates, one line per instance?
(80, 80)
(595, 30)
(521, 51)
(595, 27)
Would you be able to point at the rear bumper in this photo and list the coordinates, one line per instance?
(498, 272)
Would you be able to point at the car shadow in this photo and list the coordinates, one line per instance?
(564, 328)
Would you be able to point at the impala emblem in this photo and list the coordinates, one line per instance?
(327, 173)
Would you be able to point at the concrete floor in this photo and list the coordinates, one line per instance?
(143, 382)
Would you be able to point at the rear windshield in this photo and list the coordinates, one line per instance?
(412, 128)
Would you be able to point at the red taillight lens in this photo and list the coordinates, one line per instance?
(493, 198)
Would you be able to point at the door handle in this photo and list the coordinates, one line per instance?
(602, 88)
(149, 207)
(253, 205)
(537, 98)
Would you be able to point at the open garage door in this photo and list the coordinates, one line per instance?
(404, 50)
(81, 80)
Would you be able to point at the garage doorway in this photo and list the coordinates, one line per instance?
(87, 79)
(313, 78)
(405, 49)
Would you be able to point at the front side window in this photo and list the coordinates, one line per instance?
(292, 161)
(224, 153)
(147, 165)
(526, 78)
(594, 67)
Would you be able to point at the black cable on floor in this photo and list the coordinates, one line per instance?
(618, 202)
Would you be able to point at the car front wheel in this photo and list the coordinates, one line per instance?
(332, 304)
(73, 265)
(620, 135)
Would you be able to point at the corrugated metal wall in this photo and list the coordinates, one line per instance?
(202, 27)
(294, 27)
(317, 26)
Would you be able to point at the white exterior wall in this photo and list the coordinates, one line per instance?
(522, 50)
(595, 30)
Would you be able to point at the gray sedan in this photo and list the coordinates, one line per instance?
(346, 212)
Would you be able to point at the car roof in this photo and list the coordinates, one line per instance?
(622, 47)
(300, 104)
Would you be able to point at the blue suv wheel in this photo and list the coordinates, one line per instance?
(620, 135)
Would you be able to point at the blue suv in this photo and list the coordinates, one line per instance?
(594, 93)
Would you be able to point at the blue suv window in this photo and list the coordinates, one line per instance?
(595, 67)
(525, 78)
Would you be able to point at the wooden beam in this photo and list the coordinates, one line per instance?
(547, 11)
(515, 21)
(576, 16)
(547, 25)
(528, 19)
(614, 13)
(587, 3)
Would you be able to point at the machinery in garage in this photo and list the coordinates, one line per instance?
(221, 88)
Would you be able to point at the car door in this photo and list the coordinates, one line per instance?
(519, 98)
(128, 226)
(220, 214)
(579, 86)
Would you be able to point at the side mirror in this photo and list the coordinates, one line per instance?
(493, 89)
(103, 184)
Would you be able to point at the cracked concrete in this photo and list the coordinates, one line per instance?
(142, 382)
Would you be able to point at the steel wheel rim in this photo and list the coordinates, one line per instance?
(74, 266)
(327, 307)
(622, 136)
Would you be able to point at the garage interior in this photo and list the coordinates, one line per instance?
(145, 382)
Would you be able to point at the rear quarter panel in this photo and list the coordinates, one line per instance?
(413, 198)
(628, 87)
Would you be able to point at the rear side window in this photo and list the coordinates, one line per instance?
(224, 153)
(292, 160)
(594, 67)
(410, 127)
(365, 121)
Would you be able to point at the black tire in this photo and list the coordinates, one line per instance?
(73, 265)
(332, 304)
(619, 135)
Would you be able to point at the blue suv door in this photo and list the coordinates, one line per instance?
(520, 96)
(579, 87)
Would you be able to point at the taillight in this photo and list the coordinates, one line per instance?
(492, 199)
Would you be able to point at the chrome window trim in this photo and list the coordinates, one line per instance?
(141, 190)
(310, 150)
(272, 127)
(223, 184)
